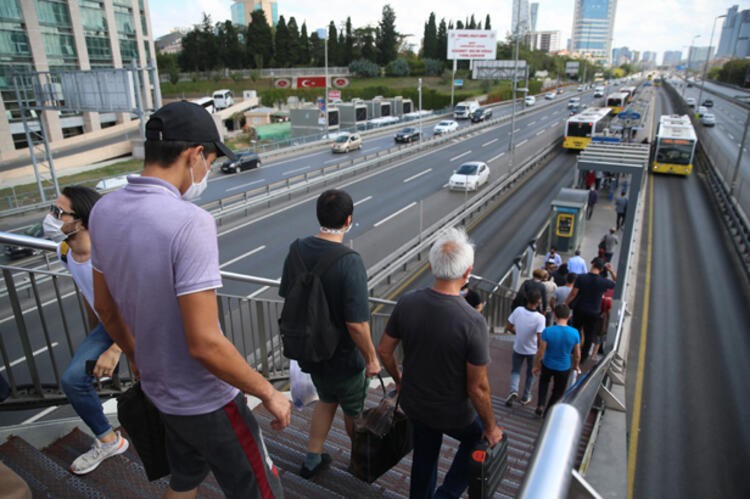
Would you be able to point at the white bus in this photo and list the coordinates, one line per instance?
(674, 147)
(581, 128)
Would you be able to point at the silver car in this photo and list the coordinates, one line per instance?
(708, 119)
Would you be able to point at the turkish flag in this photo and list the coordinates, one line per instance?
(311, 82)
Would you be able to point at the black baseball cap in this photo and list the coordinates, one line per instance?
(186, 122)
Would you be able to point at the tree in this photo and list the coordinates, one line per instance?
(348, 49)
(333, 44)
(259, 40)
(398, 67)
(364, 43)
(487, 24)
(294, 41)
(442, 41)
(472, 23)
(316, 50)
(229, 48)
(387, 39)
(282, 53)
(430, 41)
(304, 46)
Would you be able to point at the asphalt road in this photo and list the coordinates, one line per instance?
(693, 440)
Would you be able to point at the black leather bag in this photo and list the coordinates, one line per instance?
(486, 468)
(382, 436)
(143, 424)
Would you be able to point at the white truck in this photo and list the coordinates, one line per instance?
(464, 109)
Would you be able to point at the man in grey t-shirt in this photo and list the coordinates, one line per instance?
(445, 389)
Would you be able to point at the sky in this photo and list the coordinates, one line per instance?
(654, 25)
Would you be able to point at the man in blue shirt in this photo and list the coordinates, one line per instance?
(552, 360)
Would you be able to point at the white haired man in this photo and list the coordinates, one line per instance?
(450, 396)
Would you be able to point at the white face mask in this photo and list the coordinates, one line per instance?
(196, 189)
(53, 228)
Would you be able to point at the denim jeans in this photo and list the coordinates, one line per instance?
(427, 443)
(515, 374)
(79, 387)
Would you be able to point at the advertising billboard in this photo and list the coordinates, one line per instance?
(472, 44)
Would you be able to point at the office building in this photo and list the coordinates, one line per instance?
(648, 59)
(533, 15)
(671, 58)
(242, 9)
(546, 41)
(520, 18)
(734, 40)
(621, 55)
(44, 35)
(593, 24)
(697, 57)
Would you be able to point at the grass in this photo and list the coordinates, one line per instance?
(26, 194)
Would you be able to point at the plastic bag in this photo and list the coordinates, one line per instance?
(303, 389)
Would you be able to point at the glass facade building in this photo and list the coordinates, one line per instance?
(49, 35)
(593, 24)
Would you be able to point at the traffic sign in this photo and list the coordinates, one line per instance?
(334, 94)
(629, 115)
(459, 83)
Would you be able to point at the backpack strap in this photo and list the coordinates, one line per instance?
(330, 258)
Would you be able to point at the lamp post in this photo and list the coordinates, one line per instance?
(708, 55)
(323, 33)
(419, 91)
(515, 79)
(690, 58)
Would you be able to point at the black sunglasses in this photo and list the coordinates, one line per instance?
(58, 212)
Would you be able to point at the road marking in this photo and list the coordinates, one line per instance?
(365, 151)
(363, 200)
(454, 158)
(532, 123)
(334, 160)
(48, 302)
(490, 142)
(257, 292)
(731, 137)
(417, 175)
(241, 186)
(23, 359)
(39, 415)
(496, 157)
(296, 170)
(635, 423)
(539, 132)
(392, 215)
(521, 143)
(276, 163)
(236, 259)
(516, 130)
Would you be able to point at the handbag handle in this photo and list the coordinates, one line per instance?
(385, 394)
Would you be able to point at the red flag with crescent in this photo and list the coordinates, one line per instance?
(282, 83)
(340, 82)
(310, 82)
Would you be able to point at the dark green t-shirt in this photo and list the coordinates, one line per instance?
(345, 286)
(440, 334)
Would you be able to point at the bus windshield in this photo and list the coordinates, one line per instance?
(579, 130)
(678, 154)
(614, 101)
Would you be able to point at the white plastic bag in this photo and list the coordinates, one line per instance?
(303, 390)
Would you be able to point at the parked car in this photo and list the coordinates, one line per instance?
(245, 161)
(550, 95)
(469, 176)
(708, 102)
(408, 134)
(530, 100)
(16, 252)
(481, 114)
(445, 126)
(347, 142)
(708, 119)
(690, 102)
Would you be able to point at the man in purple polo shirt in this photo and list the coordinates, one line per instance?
(156, 271)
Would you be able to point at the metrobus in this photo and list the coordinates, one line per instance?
(617, 102)
(581, 128)
(630, 91)
(674, 146)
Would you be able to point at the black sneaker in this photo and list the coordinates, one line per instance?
(325, 462)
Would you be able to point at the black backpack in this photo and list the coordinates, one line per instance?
(520, 298)
(307, 332)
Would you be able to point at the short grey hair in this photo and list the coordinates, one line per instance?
(451, 255)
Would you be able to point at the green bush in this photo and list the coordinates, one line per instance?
(365, 68)
(433, 67)
(398, 67)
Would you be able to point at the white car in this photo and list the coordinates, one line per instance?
(445, 126)
(690, 102)
(708, 119)
(573, 102)
(347, 142)
(469, 176)
(702, 110)
(529, 100)
(550, 95)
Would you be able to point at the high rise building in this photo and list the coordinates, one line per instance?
(533, 15)
(520, 18)
(648, 58)
(671, 58)
(593, 23)
(621, 55)
(697, 57)
(735, 34)
(546, 41)
(44, 35)
(242, 9)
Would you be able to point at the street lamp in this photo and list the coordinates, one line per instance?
(323, 33)
(690, 54)
(708, 55)
(419, 91)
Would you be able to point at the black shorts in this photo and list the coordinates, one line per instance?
(226, 441)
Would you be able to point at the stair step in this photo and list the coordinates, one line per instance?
(45, 477)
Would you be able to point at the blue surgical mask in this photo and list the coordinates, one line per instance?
(196, 188)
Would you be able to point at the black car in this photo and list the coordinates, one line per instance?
(708, 103)
(481, 114)
(408, 134)
(245, 161)
(16, 252)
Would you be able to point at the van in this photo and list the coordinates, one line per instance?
(465, 109)
(223, 99)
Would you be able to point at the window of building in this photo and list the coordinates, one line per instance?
(128, 51)
(124, 21)
(13, 42)
(54, 13)
(92, 16)
(99, 49)
(58, 44)
(9, 10)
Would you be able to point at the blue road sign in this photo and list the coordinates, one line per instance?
(680, 67)
(629, 115)
(459, 83)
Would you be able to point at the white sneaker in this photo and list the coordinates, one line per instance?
(89, 460)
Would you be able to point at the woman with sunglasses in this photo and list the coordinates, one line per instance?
(67, 223)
